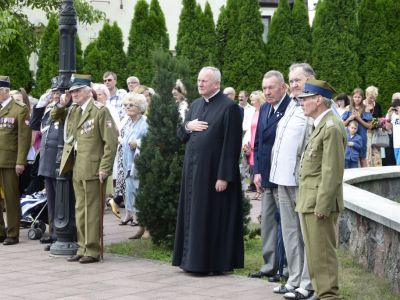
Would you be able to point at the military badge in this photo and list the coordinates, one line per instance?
(109, 124)
(27, 122)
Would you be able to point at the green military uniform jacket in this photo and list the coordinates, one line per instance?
(90, 140)
(322, 167)
(15, 134)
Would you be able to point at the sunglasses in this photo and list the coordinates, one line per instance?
(108, 80)
(133, 82)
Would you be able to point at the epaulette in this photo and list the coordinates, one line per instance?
(98, 104)
(330, 123)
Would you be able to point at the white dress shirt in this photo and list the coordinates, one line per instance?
(289, 132)
(248, 116)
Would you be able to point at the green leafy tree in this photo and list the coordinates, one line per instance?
(14, 63)
(247, 70)
(335, 44)
(14, 21)
(160, 161)
(48, 59)
(280, 44)
(379, 59)
(301, 32)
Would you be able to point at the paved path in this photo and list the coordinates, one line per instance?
(28, 272)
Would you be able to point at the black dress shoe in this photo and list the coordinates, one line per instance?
(88, 260)
(74, 258)
(10, 241)
(275, 278)
(259, 274)
(2, 238)
(46, 240)
(47, 247)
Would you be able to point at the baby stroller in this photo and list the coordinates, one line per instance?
(34, 214)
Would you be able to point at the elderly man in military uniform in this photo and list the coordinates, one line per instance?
(320, 187)
(90, 144)
(15, 140)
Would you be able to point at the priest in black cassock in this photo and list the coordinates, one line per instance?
(209, 230)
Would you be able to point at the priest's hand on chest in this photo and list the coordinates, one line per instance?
(196, 125)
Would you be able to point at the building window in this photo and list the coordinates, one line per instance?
(266, 21)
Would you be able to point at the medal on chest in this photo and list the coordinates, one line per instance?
(7, 122)
(87, 126)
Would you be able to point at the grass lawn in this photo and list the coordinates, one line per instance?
(355, 282)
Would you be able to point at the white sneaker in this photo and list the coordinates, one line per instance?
(284, 289)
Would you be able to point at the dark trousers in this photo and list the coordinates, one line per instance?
(50, 184)
(349, 164)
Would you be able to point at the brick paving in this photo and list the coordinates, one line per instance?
(28, 272)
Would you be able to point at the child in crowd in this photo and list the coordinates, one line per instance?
(393, 123)
(354, 144)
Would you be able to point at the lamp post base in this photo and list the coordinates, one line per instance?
(64, 248)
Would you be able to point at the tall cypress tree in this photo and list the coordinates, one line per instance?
(186, 28)
(160, 162)
(229, 70)
(222, 39)
(280, 44)
(378, 31)
(247, 70)
(208, 37)
(14, 63)
(140, 43)
(48, 56)
(159, 29)
(301, 32)
(335, 43)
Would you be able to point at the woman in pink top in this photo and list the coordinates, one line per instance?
(257, 98)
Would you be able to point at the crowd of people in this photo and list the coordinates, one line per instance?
(293, 138)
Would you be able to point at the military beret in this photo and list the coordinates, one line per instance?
(4, 82)
(79, 81)
(317, 87)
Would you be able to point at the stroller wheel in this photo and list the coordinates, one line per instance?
(34, 233)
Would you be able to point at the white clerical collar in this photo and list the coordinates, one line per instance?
(319, 118)
(4, 104)
(84, 105)
(208, 99)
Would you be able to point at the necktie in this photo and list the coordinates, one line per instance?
(271, 112)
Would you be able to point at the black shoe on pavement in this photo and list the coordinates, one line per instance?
(259, 274)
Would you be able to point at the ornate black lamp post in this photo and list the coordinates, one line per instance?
(64, 222)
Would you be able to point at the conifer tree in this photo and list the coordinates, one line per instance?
(159, 29)
(208, 38)
(247, 71)
(160, 162)
(186, 28)
(221, 32)
(48, 57)
(301, 32)
(94, 63)
(379, 59)
(335, 44)
(14, 63)
(111, 55)
(280, 43)
(229, 68)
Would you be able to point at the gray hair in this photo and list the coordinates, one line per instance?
(305, 67)
(396, 96)
(132, 78)
(216, 72)
(327, 102)
(137, 99)
(229, 90)
(273, 73)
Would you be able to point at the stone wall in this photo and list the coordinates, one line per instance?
(374, 245)
(369, 227)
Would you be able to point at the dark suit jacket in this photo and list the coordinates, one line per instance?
(264, 140)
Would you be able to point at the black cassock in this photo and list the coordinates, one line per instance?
(209, 230)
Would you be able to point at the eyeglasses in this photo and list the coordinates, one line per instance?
(133, 82)
(108, 80)
(130, 105)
